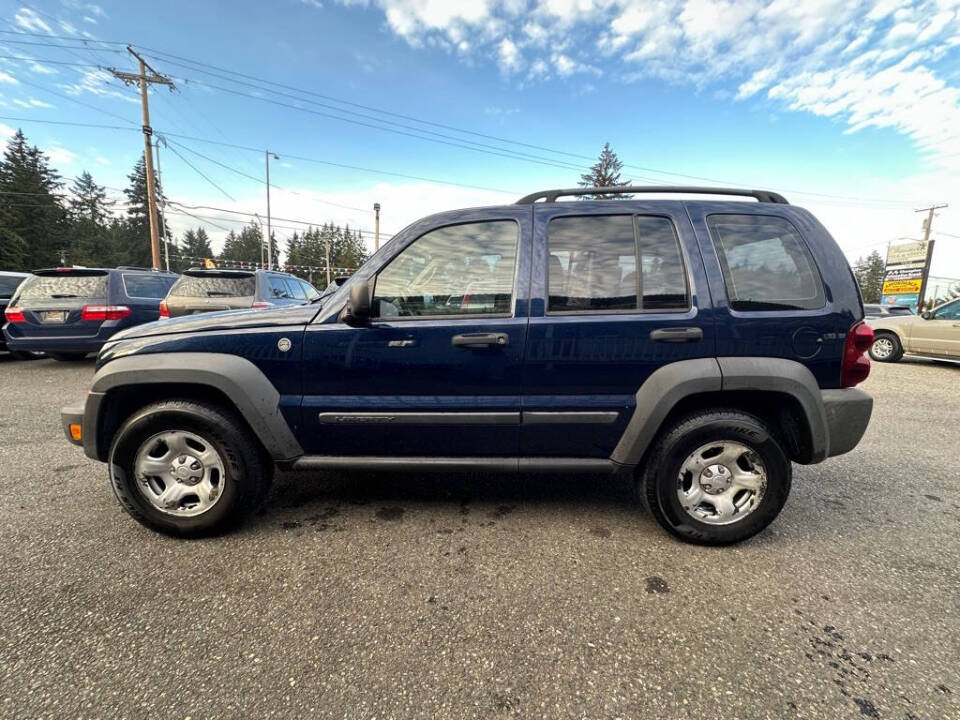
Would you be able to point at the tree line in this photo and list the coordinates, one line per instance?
(46, 223)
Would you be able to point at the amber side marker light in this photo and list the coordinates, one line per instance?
(76, 431)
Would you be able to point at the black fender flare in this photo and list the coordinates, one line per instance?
(671, 383)
(240, 380)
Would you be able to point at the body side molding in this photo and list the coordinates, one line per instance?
(239, 379)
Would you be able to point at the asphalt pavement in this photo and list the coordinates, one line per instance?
(406, 596)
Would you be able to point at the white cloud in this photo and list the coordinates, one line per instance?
(872, 63)
(60, 156)
(7, 78)
(27, 19)
(31, 103)
(43, 69)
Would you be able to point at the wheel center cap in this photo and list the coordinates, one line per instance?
(715, 479)
(187, 469)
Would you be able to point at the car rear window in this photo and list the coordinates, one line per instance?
(900, 311)
(214, 286)
(9, 283)
(765, 263)
(40, 287)
(151, 287)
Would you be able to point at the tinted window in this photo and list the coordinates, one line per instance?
(214, 286)
(64, 286)
(9, 283)
(604, 263)
(277, 288)
(900, 310)
(458, 270)
(153, 287)
(766, 265)
(951, 311)
(872, 310)
(294, 288)
(309, 290)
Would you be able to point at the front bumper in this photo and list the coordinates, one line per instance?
(848, 414)
(85, 414)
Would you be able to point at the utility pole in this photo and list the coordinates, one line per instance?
(163, 204)
(328, 259)
(267, 155)
(142, 79)
(927, 224)
(259, 220)
(376, 227)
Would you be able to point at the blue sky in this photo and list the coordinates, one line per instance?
(850, 108)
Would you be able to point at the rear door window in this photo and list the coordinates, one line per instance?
(615, 263)
(310, 292)
(766, 265)
(193, 286)
(147, 287)
(293, 286)
(277, 288)
(44, 287)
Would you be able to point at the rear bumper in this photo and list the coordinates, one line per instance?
(84, 413)
(848, 413)
(55, 344)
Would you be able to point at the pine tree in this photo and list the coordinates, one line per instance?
(604, 173)
(88, 211)
(869, 273)
(135, 249)
(245, 246)
(34, 222)
(196, 244)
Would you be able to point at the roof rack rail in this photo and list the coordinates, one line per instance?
(552, 195)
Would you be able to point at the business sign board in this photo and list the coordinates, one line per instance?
(907, 266)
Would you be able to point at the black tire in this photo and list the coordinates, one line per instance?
(25, 355)
(67, 357)
(248, 472)
(660, 476)
(895, 353)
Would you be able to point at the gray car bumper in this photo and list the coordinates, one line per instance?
(848, 414)
(85, 414)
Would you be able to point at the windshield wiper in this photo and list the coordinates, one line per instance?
(219, 293)
(61, 297)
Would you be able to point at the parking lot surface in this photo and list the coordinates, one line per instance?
(373, 596)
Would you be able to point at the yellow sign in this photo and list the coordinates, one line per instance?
(902, 287)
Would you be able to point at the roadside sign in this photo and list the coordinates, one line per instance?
(904, 274)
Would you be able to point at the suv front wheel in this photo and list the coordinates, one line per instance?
(187, 468)
(716, 477)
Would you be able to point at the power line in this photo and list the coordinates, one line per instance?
(201, 174)
(252, 214)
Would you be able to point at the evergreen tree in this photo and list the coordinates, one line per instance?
(196, 244)
(246, 245)
(604, 173)
(34, 223)
(869, 273)
(135, 249)
(88, 211)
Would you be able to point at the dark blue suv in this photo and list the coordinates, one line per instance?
(69, 312)
(693, 347)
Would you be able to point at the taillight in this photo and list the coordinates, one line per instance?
(14, 315)
(856, 364)
(104, 312)
(164, 310)
(260, 305)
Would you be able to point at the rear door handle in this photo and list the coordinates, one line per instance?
(478, 340)
(677, 335)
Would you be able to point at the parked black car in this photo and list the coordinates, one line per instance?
(69, 312)
(9, 282)
(200, 291)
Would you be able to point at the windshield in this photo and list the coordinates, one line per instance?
(64, 286)
(214, 286)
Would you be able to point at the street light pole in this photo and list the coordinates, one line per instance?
(267, 155)
(376, 227)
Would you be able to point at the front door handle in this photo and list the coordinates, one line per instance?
(677, 335)
(479, 340)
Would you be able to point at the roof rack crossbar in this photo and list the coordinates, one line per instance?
(552, 195)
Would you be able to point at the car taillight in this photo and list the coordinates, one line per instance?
(260, 305)
(164, 310)
(104, 312)
(14, 315)
(856, 364)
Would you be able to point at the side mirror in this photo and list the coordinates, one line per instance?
(358, 310)
(926, 315)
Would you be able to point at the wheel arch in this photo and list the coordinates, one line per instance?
(126, 384)
(783, 393)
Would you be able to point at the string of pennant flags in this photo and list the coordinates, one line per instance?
(210, 263)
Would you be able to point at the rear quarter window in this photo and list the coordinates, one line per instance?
(148, 287)
(213, 286)
(766, 264)
(8, 284)
(41, 287)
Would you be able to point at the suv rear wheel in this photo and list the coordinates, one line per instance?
(187, 468)
(886, 347)
(716, 477)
